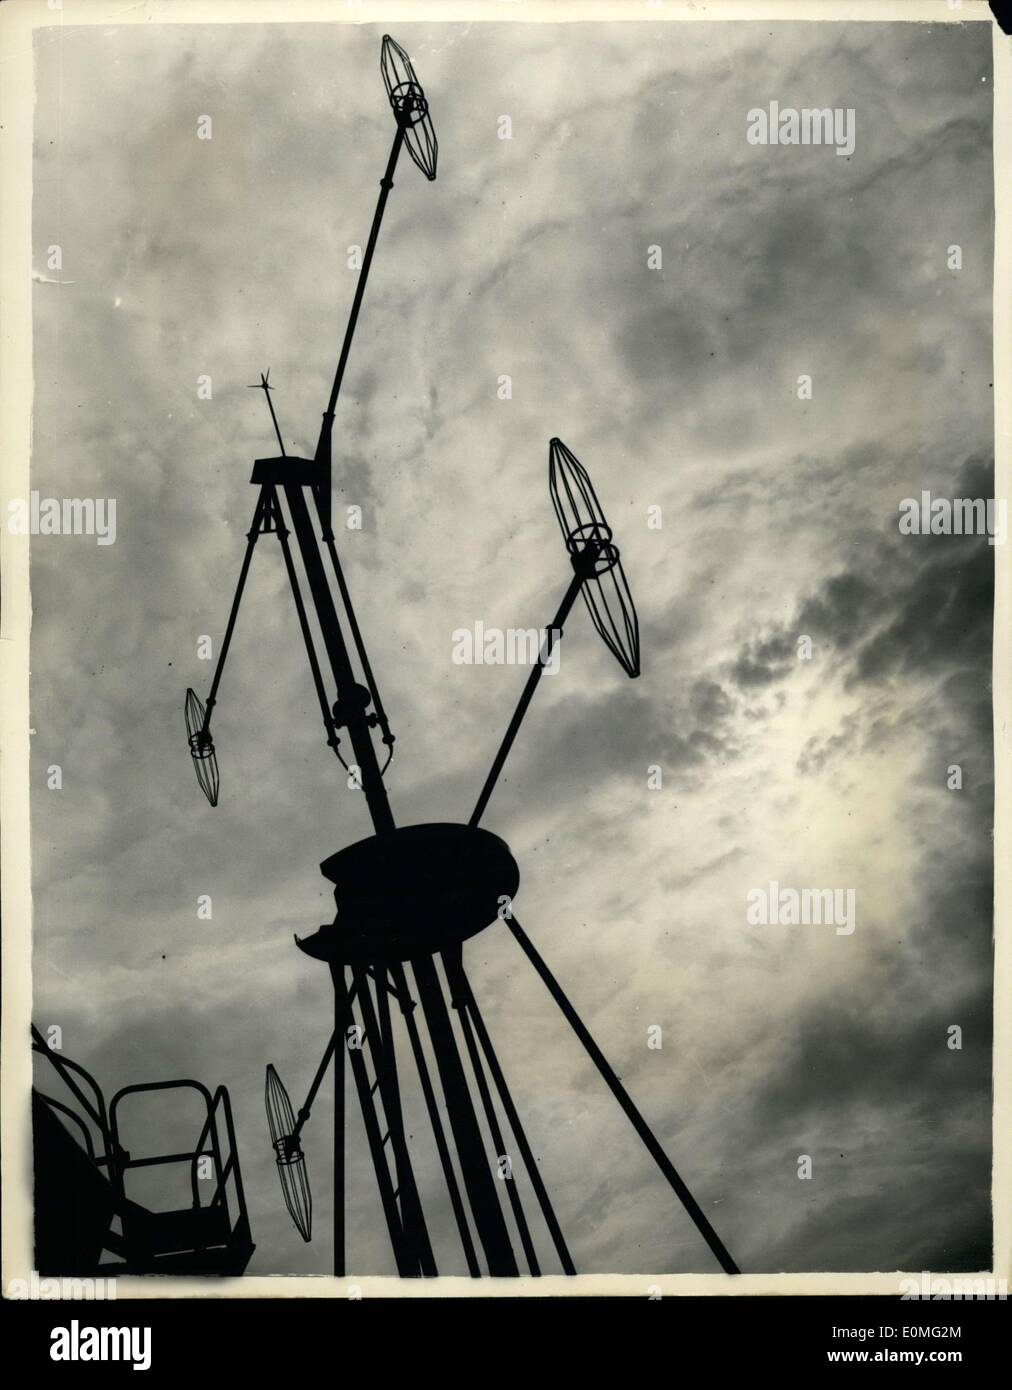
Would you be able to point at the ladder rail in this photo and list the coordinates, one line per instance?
(378, 1031)
(407, 1265)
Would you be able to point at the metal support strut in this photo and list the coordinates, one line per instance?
(625, 1101)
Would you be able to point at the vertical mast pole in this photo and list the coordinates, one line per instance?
(361, 738)
(476, 1170)
(353, 712)
(340, 1045)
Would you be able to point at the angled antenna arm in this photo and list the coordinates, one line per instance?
(323, 446)
(322, 490)
(252, 536)
(198, 716)
(321, 1072)
(553, 634)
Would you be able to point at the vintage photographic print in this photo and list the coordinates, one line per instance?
(510, 506)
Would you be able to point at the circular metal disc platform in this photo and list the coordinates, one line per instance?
(413, 891)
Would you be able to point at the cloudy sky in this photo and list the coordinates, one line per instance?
(677, 387)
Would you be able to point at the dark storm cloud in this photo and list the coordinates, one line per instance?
(943, 616)
(887, 1052)
(923, 609)
(765, 661)
(920, 605)
(585, 741)
(853, 1055)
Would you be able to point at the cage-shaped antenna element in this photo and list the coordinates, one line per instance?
(205, 760)
(409, 106)
(288, 1153)
(594, 555)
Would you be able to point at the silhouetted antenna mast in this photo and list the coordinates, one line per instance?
(408, 897)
